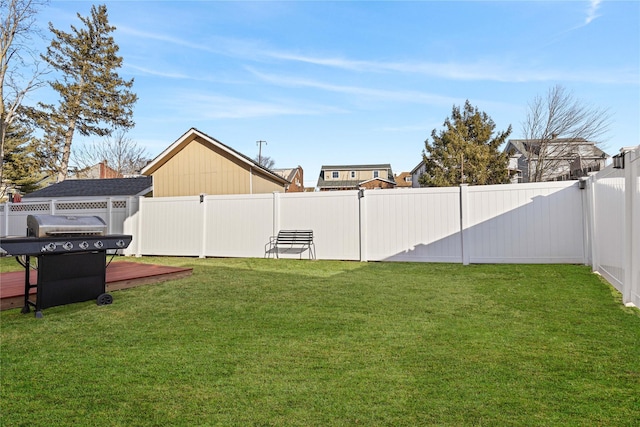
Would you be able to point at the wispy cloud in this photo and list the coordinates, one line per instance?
(489, 69)
(363, 92)
(592, 11)
(203, 106)
(151, 72)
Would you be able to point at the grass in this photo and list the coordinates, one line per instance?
(320, 343)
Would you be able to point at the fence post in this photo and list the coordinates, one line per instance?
(634, 163)
(276, 213)
(203, 206)
(138, 235)
(362, 225)
(629, 190)
(109, 214)
(464, 219)
(7, 208)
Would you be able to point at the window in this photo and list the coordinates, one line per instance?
(353, 174)
(376, 174)
(335, 174)
(407, 178)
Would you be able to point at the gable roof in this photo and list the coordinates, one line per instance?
(287, 174)
(418, 166)
(581, 147)
(96, 187)
(401, 179)
(192, 134)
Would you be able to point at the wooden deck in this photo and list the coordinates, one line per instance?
(120, 275)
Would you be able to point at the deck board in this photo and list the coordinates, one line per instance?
(119, 275)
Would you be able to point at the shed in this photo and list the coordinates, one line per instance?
(199, 164)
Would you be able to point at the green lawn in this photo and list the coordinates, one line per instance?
(259, 342)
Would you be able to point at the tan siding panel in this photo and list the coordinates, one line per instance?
(202, 168)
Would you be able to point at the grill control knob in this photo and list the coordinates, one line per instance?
(50, 247)
(120, 243)
(83, 245)
(68, 246)
(98, 244)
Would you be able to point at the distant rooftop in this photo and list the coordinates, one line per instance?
(96, 187)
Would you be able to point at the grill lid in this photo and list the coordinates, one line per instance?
(65, 225)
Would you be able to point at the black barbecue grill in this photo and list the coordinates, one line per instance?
(71, 254)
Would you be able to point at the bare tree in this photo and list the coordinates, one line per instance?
(554, 129)
(118, 151)
(20, 71)
(264, 161)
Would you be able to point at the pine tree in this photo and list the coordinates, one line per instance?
(21, 159)
(94, 99)
(466, 151)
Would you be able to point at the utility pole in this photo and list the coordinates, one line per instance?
(259, 144)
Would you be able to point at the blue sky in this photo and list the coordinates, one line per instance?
(358, 82)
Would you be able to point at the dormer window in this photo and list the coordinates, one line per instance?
(335, 174)
(376, 174)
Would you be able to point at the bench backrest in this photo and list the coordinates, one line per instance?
(295, 236)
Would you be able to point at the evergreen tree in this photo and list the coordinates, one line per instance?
(94, 99)
(21, 159)
(466, 151)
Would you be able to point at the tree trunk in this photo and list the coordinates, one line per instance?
(66, 152)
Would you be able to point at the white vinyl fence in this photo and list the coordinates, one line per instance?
(552, 222)
(113, 210)
(533, 223)
(613, 209)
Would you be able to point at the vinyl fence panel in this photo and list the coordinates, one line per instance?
(413, 225)
(170, 226)
(237, 226)
(609, 221)
(534, 223)
(333, 216)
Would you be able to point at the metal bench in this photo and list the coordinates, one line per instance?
(292, 241)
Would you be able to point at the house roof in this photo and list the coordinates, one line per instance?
(350, 183)
(190, 136)
(96, 187)
(378, 179)
(287, 174)
(419, 165)
(356, 167)
(582, 147)
(401, 179)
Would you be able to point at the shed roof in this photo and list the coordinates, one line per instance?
(190, 136)
(96, 187)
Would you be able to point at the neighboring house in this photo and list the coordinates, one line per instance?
(199, 164)
(565, 158)
(98, 171)
(353, 177)
(404, 180)
(417, 172)
(88, 188)
(295, 176)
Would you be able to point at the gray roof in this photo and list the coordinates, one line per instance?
(96, 187)
(570, 147)
(356, 167)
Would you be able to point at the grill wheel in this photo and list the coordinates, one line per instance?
(104, 299)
